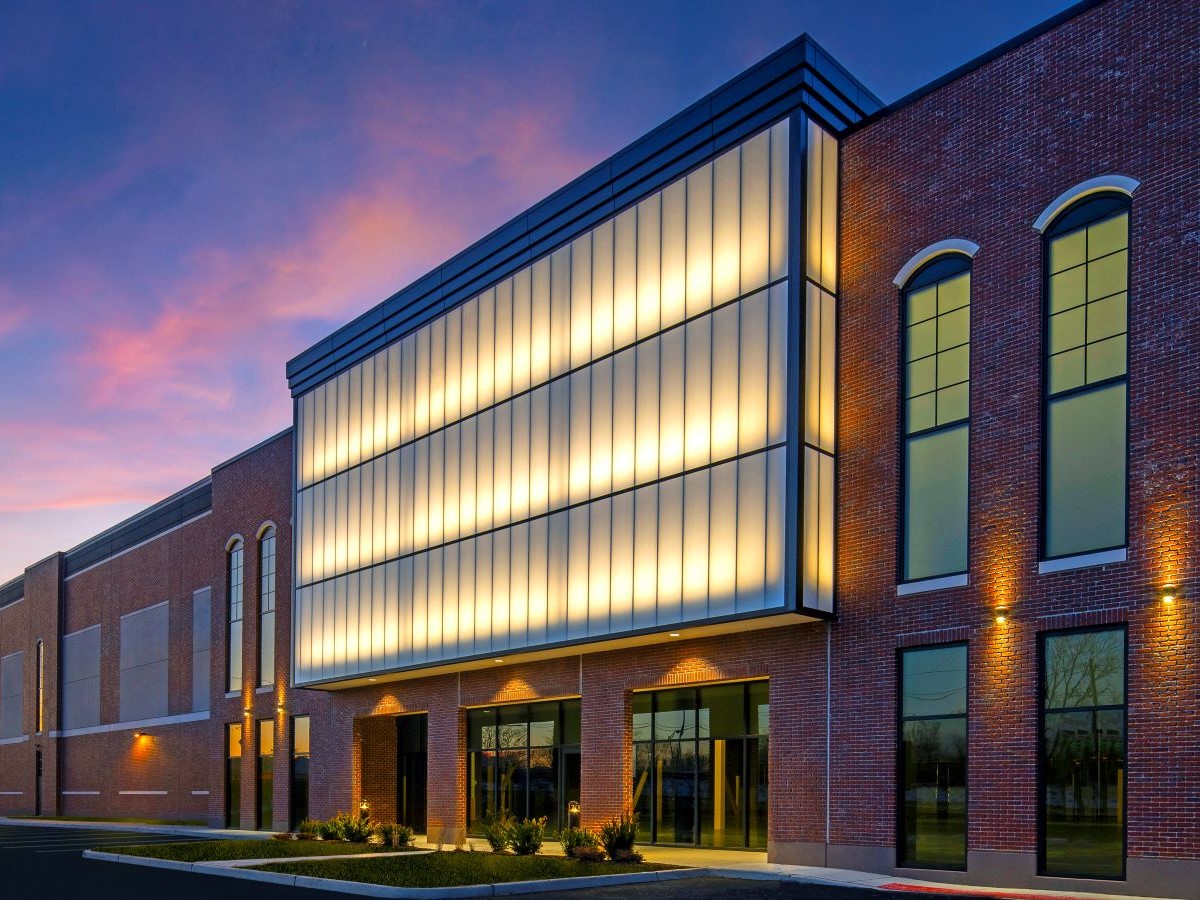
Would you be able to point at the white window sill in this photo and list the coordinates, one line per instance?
(231, 694)
(264, 690)
(932, 584)
(1083, 561)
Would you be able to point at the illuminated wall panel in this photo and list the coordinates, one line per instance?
(595, 445)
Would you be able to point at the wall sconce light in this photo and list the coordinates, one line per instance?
(279, 707)
(363, 808)
(674, 634)
(1169, 593)
(139, 734)
(248, 711)
(498, 659)
(1001, 615)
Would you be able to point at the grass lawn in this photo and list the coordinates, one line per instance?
(454, 868)
(211, 851)
(111, 819)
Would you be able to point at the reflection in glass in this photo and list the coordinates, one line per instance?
(699, 777)
(1083, 754)
(934, 757)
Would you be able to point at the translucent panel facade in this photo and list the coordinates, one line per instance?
(595, 446)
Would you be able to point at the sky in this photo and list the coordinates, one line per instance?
(191, 193)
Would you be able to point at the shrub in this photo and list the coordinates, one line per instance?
(345, 827)
(394, 834)
(590, 854)
(573, 839)
(327, 830)
(496, 832)
(619, 834)
(527, 837)
(309, 828)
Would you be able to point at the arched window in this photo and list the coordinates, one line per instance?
(266, 606)
(233, 660)
(1086, 366)
(936, 419)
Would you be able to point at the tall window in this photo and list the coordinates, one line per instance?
(41, 687)
(1082, 790)
(301, 742)
(937, 355)
(233, 662)
(933, 757)
(233, 776)
(266, 607)
(265, 775)
(1084, 473)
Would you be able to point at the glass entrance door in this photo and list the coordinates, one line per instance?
(700, 765)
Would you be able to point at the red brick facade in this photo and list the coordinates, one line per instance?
(1113, 90)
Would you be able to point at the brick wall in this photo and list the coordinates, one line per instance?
(1113, 90)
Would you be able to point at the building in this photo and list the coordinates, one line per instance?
(811, 476)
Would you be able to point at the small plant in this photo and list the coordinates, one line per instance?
(497, 832)
(618, 836)
(327, 829)
(590, 854)
(394, 835)
(526, 837)
(308, 830)
(345, 827)
(579, 843)
(627, 856)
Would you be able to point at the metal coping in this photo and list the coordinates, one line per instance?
(169, 513)
(12, 591)
(800, 75)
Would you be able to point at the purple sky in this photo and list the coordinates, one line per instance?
(192, 193)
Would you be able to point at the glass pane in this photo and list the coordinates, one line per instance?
(675, 791)
(1085, 669)
(1067, 329)
(674, 715)
(1084, 777)
(1067, 289)
(921, 339)
(1108, 275)
(1105, 237)
(1085, 472)
(1066, 370)
(543, 778)
(641, 717)
(756, 791)
(921, 376)
(953, 366)
(1068, 250)
(1106, 359)
(921, 413)
(1106, 317)
(954, 293)
(512, 775)
(543, 724)
(922, 304)
(643, 790)
(481, 729)
(723, 711)
(571, 712)
(953, 403)
(935, 793)
(935, 504)
(481, 789)
(722, 793)
(934, 681)
(954, 328)
(759, 707)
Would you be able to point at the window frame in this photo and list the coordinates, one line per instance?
(235, 545)
(1060, 225)
(265, 666)
(911, 283)
(901, 833)
(1040, 850)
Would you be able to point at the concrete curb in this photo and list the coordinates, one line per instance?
(139, 828)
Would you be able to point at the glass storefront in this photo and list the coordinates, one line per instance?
(523, 761)
(700, 765)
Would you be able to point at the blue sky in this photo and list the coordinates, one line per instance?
(192, 193)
